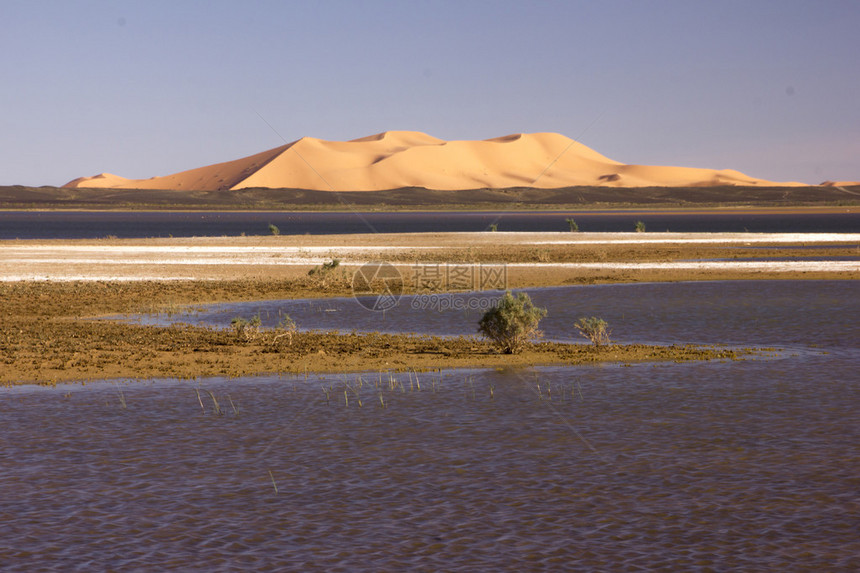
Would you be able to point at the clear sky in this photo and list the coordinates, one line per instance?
(151, 87)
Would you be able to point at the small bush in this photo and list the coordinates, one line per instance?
(573, 226)
(539, 255)
(273, 230)
(249, 330)
(493, 228)
(640, 227)
(325, 269)
(246, 330)
(512, 322)
(286, 329)
(322, 274)
(595, 329)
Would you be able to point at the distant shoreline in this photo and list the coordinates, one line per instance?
(420, 199)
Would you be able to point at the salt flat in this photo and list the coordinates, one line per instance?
(291, 256)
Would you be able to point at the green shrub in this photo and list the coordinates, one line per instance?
(246, 330)
(595, 329)
(573, 226)
(286, 329)
(322, 274)
(249, 330)
(325, 268)
(512, 322)
(640, 227)
(322, 271)
(273, 230)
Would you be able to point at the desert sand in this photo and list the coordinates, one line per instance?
(398, 159)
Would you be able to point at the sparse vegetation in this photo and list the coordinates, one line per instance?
(286, 329)
(569, 198)
(493, 228)
(572, 224)
(324, 268)
(512, 322)
(47, 336)
(250, 330)
(246, 330)
(322, 274)
(595, 329)
(273, 230)
(640, 227)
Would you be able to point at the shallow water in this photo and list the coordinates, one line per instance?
(757, 313)
(137, 224)
(733, 466)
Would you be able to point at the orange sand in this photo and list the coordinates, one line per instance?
(397, 159)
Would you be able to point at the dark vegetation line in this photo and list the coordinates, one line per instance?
(417, 198)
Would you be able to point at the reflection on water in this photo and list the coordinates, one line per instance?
(728, 465)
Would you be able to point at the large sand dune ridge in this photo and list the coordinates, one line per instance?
(397, 159)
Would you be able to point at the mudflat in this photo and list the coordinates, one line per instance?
(52, 292)
(50, 333)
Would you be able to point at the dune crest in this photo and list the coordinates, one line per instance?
(396, 159)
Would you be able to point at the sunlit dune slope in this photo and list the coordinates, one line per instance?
(396, 159)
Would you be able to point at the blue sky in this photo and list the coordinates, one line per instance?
(147, 88)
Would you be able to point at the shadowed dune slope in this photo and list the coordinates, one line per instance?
(398, 159)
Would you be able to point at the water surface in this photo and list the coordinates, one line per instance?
(794, 313)
(137, 224)
(728, 466)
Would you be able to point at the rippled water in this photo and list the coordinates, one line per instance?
(738, 466)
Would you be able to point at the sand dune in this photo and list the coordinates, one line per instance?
(396, 159)
(839, 183)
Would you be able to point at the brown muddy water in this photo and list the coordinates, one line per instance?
(749, 465)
